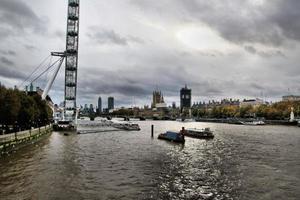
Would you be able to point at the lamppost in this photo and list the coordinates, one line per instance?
(30, 128)
(16, 122)
(39, 124)
(45, 121)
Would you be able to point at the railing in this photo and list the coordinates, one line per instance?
(12, 137)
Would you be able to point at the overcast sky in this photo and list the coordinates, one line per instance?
(219, 48)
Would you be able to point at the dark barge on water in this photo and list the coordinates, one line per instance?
(205, 133)
(172, 136)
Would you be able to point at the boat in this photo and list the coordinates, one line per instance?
(123, 125)
(254, 123)
(64, 126)
(205, 133)
(134, 119)
(131, 127)
(185, 120)
(172, 136)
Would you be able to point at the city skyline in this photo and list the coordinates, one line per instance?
(169, 44)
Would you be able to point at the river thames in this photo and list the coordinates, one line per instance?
(241, 162)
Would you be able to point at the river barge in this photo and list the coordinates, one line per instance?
(172, 136)
(205, 133)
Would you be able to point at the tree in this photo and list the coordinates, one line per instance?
(2, 103)
(11, 108)
(27, 112)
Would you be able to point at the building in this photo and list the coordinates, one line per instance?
(291, 98)
(91, 108)
(110, 102)
(99, 105)
(157, 98)
(39, 91)
(173, 105)
(251, 102)
(214, 103)
(185, 98)
(161, 106)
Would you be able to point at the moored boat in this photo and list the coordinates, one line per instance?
(254, 123)
(185, 120)
(172, 136)
(64, 126)
(199, 133)
(131, 127)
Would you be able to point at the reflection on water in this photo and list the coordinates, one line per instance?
(241, 162)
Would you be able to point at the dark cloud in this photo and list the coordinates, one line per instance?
(286, 18)
(131, 81)
(17, 17)
(270, 23)
(10, 72)
(6, 61)
(104, 36)
(8, 52)
(269, 53)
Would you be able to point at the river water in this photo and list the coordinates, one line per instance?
(241, 162)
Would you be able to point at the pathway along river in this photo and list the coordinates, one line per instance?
(241, 162)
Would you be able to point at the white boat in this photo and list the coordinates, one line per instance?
(254, 123)
(134, 119)
(185, 120)
(128, 126)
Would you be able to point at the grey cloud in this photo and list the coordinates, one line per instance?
(135, 39)
(237, 21)
(17, 16)
(105, 36)
(164, 62)
(10, 72)
(287, 18)
(250, 49)
(59, 34)
(30, 47)
(141, 81)
(269, 53)
(8, 52)
(131, 81)
(6, 61)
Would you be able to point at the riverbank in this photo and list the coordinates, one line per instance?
(13, 141)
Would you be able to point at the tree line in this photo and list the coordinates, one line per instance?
(20, 111)
(277, 111)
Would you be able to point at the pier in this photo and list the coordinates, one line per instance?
(14, 141)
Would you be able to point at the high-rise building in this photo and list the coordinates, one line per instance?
(110, 103)
(157, 98)
(174, 105)
(99, 105)
(91, 108)
(185, 98)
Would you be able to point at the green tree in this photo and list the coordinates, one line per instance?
(11, 108)
(27, 111)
